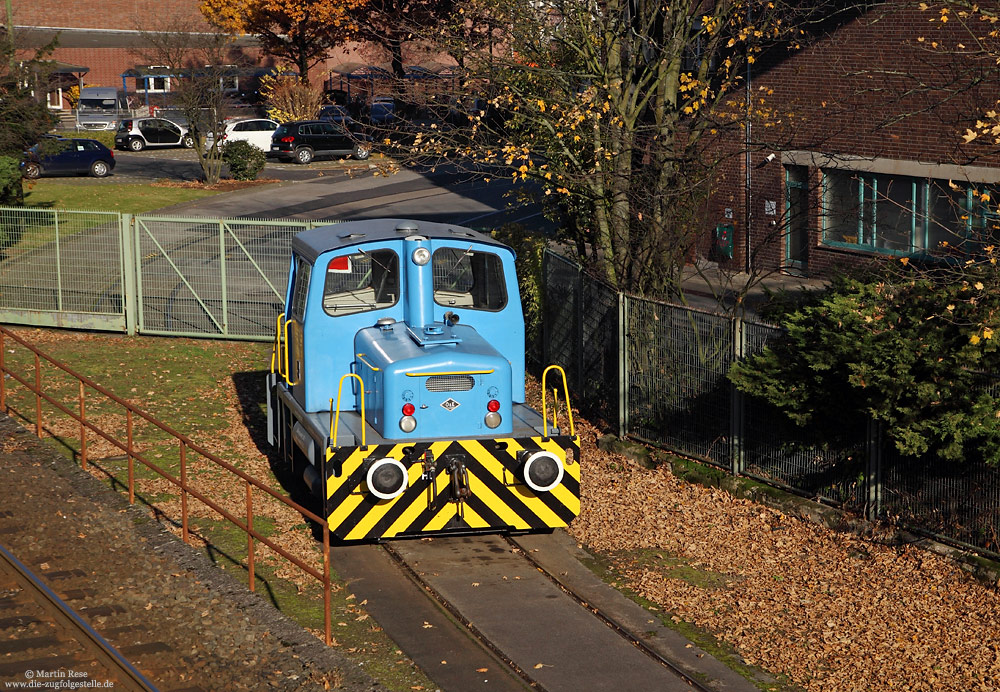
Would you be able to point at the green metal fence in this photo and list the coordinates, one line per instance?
(657, 373)
(61, 268)
(149, 274)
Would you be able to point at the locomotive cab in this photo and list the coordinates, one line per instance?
(397, 386)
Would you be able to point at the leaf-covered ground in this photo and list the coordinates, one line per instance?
(830, 611)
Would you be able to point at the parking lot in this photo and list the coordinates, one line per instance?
(182, 165)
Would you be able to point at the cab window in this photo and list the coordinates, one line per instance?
(360, 282)
(300, 289)
(469, 279)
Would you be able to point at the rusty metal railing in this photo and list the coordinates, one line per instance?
(33, 382)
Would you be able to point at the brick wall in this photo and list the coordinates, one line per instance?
(871, 89)
(128, 15)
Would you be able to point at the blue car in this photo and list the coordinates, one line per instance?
(57, 156)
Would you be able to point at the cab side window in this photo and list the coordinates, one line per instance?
(300, 289)
(361, 282)
(469, 279)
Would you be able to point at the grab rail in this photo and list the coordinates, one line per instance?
(569, 410)
(276, 347)
(335, 420)
(288, 369)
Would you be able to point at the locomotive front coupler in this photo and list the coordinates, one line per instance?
(460, 490)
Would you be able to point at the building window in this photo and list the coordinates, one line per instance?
(899, 214)
(153, 84)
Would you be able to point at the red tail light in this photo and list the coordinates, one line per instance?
(493, 406)
(408, 409)
(287, 140)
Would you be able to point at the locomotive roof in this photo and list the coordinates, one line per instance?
(314, 242)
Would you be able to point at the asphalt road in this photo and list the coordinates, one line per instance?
(345, 189)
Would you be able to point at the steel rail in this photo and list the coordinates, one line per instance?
(615, 626)
(476, 633)
(107, 655)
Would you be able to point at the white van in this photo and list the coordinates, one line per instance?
(100, 108)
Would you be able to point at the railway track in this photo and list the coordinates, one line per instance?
(46, 641)
(528, 616)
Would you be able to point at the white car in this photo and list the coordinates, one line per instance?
(256, 131)
(138, 133)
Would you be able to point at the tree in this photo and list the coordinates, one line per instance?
(299, 31)
(201, 65)
(288, 98)
(24, 115)
(617, 110)
(393, 23)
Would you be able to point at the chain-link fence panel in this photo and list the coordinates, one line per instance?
(207, 276)
(957, 501)
(560, 312)
(677, 392)
(61, 268)
(774, 450)
(599, 350)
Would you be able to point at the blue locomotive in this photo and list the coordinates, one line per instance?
(396, 389)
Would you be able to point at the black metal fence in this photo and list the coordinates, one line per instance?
(656, 372)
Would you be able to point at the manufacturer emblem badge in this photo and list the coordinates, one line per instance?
(450, 404)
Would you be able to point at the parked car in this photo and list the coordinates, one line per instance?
(384, 110)
(256, 131)
(138, 133)
(55, 155)
(303, 140)
(336, 114)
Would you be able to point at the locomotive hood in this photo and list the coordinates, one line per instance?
(444, 375)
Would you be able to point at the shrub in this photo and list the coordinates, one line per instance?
(245, 161)
(914, 351)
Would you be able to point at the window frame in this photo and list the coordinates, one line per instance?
(371, 255)
(502, 283)
(922, 219)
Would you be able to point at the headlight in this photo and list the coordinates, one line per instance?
(542, 471)
(386, 478)
(421, 256)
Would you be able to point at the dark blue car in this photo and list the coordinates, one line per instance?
(57, 156)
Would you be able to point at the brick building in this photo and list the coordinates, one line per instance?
(103, 38)
(869, 158)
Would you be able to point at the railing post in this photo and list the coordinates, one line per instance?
(131, 463)
(250, 533)
(3, 373)
(222, 276)
(326, 583)
(83, 429)
(59, 285)
(184, 493)
(130, 266)
(38, 396)
(737, 461)
(873, 471)
(623, 346)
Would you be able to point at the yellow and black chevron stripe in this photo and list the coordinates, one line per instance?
(498, 499)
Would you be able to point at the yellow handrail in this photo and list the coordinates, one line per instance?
(288, 370)
(569, 410)
(276, 347)
(335, 420)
